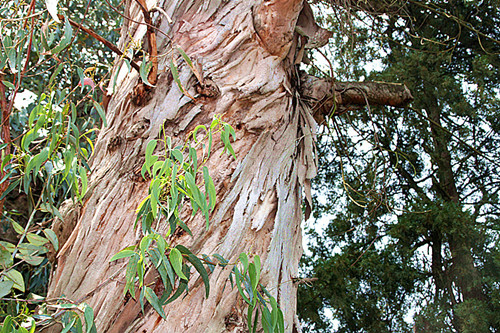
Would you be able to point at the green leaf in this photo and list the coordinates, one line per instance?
(209, 188)
(238, 278)
(8, 84)
(130, 275)
(184, 227)
(17, 278)
(83, 177)
(266, 320)
(256, 261)
(157, 260)
(139, 208)
(274, 313)
(149, 159)
(36, 240)
(182, 286)
(6, 246)
(5, 257)
(69, 326)
(68, 34)
(157, 167)
(12, 186)
(81, 76)
(17, 227)
(249, 317)
(5, 287)
(144, 71)
(140, 271)
(122, 254)
(178, 155)
(154, 301)
(281, 321)
(244, 260)
(253, 276)
(89, 319)
(101, 113)
(7, 326)
(195, 131)
(194, 158)
(175, 257)
(256, 320)
(56, 72)
(197, 264)
(49, 208)
(155, 196)
(30, 259)
(145, 242)
(185, 56)
(51, 235)
(175, 75)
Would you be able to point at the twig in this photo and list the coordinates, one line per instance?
(153, 52)
(90, 294)
(132, 20)
(110, 45)
(5, 136)
(373, 241)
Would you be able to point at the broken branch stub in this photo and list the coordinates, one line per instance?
(324, 93)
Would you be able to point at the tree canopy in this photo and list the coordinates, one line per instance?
(411, 194)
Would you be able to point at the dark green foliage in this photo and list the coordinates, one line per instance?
(413, 241)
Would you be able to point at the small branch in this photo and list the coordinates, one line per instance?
(307, 281)
(153, 51)
(5, 136)
(107, 43)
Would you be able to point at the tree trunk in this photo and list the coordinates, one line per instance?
(245, 50)
(464, 274)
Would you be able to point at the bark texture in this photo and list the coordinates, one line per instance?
(249, 70)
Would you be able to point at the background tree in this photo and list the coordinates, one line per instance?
(416, 229)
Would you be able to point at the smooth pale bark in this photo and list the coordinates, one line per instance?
(259, 194)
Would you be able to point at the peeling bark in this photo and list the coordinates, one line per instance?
(259, 195)
(246, 52)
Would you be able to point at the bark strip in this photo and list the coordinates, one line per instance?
(275, 21)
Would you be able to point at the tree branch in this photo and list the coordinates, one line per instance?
(153, 52)
(110, 45)
(5, 136)
(324, 94)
